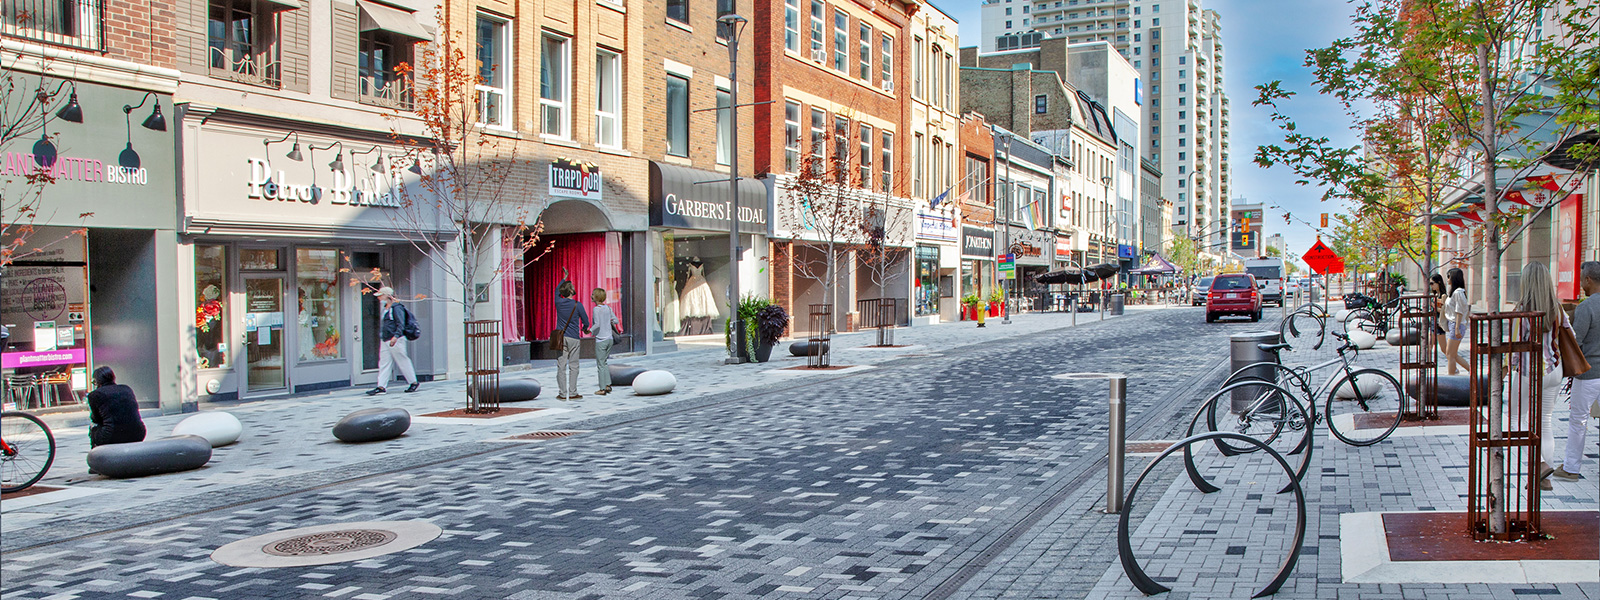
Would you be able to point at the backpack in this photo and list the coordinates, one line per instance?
(411, 329)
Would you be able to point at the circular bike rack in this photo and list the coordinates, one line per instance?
(1130, 563)
(1304, 448)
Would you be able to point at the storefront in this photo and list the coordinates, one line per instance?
(92, 279)
(937, 264)
(1032, 249)
(691, 264)
(285, 238)
(977, 262)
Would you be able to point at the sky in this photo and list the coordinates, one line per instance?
(1264, 40)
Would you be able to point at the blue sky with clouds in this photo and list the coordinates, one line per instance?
(1264, 40)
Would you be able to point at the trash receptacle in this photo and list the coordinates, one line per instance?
(1243, 353)
(1117, 301)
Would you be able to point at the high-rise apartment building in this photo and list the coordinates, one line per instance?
(1177, 48)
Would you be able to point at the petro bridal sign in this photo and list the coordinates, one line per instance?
(344, 189)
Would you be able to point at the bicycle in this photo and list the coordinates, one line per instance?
(1368, 400)
(1370, 315)
(27, 449)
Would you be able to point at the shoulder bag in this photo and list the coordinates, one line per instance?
(558, 337)
(1573, 362)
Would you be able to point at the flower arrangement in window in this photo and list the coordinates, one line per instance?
(210, 309)
(329, 346)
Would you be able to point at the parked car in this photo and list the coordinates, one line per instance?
(1235, 294)
(1197, 295)
(1291, 288)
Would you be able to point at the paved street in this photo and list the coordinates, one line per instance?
(954, 468)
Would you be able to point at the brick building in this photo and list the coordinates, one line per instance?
(89, 90)
(933, 120)
(977, 207)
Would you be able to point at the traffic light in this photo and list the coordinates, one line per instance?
(1324, 219)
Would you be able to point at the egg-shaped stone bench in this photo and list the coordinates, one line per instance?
(803, 348)
(1362, 340)
(1450, 390)
(1409, 336)
(624, 374)
(152, 457)
(654, 383)
(372, 425)
(519, 390)
(1370, 385)
(219, 428)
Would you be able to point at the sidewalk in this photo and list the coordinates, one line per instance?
(287, 444)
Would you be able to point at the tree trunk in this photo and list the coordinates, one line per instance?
(1491, 196)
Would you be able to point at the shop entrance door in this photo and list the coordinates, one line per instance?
(264, 342)
(368, 266)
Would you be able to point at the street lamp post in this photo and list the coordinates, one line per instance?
(1006, 227)
(735, 25)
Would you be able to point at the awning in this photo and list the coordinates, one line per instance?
(284, 4)
(377, 17)
(1156, 266)
(685, 198)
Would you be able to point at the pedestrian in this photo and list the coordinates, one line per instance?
(1438, 291)
(1456, 312)
(1539, 296)
(1585, 387)
(574, 322)
(605, 329)
(398, 328)
(113, 411)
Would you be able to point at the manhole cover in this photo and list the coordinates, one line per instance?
(544, 435)
(326, 544)
(1077, 376)
(330, 542)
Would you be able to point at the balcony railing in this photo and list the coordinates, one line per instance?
(74, 23)
(255, 69)
(389, 92)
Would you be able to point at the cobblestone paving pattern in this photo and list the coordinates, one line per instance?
(877, 485)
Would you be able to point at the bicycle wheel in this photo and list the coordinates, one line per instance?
(27, 451)
(1283, 376)
(1363, 407)
(1259, 409)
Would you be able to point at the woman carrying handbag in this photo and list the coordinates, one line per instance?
(1561, 355)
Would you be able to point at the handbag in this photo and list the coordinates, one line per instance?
(1573, 362)
(558, 337)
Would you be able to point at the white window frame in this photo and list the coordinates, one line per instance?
(791, 136)
(563, 104)
(886, 73)
(724, 126)
(791, 25)
(916, 67)
(864, 52)
(886, 168)
(865, 169)
(601, 115)
(841, 41)
(503, 119)
(916, 166)
(819, 26)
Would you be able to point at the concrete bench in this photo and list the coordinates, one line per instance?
(153, 457)
(519, 390)
(372, 424)
(803, 348)
(217, 427)
(624, 374)
(654, 383)
(1450, 390)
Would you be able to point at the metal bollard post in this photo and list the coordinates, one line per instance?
(1116, 443)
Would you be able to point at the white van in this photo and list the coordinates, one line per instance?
(1268, 272)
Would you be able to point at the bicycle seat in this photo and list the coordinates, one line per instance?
(1274, 348)
(1340, 335)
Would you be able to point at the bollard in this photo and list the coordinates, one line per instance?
(1116, 443)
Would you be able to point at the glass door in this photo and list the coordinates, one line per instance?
(264, 334)
(367, 267)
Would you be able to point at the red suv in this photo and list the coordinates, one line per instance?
(1233, 294)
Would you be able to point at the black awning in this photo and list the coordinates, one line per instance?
(694, 199)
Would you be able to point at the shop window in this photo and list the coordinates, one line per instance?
(260, 259)
(211, 321)
(316, 273)
(689, 269)
(242, 41)
(677, 115)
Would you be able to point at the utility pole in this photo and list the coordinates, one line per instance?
(1011, 190)
(735, 25)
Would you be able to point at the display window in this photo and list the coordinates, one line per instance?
(316, 273)
(44, 311)
(927, 285)
(211, 321)
(689, 274)
(590, 260)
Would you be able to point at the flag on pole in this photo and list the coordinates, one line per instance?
(939, 199)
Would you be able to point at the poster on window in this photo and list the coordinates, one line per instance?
(43, 294)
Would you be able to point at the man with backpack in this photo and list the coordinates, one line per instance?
(399, 326)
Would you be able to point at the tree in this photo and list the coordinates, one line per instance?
(1466, 93)
(28, 107)
(467, 178)
(834, 202)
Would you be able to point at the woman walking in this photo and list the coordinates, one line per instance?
(574, 323)
(1539, 295)
(1456, 312)
(1439, 292)
(605, 329)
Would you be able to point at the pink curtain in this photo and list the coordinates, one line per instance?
(513, 315)
(592, 260)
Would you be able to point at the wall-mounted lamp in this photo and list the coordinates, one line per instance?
(154, 122)
(338, 157)
(377, 164)
(71, 112)
(294, 152)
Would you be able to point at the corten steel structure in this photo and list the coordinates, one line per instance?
(817, 351)
(879, 313)
(1505, 443)
(483, 366)
(1419, 373)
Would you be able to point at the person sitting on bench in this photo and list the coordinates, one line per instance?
(113, 411)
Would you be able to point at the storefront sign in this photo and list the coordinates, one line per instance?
(67, 168)
(678, 199)
(342, 190)
(936, 227)
(978, 243)
(1030, 245)
(1124, 251)
(1063, 249)
(574, 180)
(69, 356)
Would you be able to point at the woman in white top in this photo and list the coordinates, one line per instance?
(1539, 295)
(1456, 311)
(605, 325)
